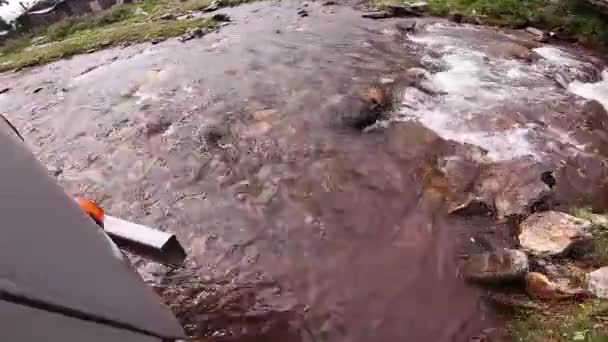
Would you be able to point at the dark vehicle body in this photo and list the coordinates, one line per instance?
(61, 279)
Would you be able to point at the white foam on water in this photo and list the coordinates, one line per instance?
(474, 84)
(592, 91)
(557, 56)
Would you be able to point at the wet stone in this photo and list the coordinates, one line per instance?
(353, 111)
(221, 17)
(406, 26)
(539, 35)
(497, 267)
(213, 134)
(54, 170)
(594, 116)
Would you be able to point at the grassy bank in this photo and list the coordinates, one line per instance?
(144, 21)
(571, 320)
(585, 322)
(573, 18)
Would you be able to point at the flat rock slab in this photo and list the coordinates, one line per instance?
(496, 267)
(552, 233)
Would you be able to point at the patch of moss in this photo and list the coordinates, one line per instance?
(565, 322)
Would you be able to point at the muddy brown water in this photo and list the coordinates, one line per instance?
(335, 234)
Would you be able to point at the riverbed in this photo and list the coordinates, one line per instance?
(337, 234)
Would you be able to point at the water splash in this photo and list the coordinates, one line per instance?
(481, 92)
(593, 91)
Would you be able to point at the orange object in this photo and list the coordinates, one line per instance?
(93, 210)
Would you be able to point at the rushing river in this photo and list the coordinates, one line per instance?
(306, 230)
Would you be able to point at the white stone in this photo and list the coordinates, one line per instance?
(597, 282)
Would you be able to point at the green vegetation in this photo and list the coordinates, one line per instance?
(571, 320)
(585, 322)
(93, 39)
(136, 22)
(574, 18)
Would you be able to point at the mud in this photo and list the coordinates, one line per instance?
(298, 229)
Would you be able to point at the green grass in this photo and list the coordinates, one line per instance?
(92, 39)
(575, 17)
(123, 23)
(568, 322)
(69, 26)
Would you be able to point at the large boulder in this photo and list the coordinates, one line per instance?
(597, 282)
(553, 233)
(497, 267)
(515, 187)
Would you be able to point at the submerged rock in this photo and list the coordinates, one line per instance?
(496, 267)
(511, 50)
(406, 26)
(553, 233)
(359, 110)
